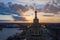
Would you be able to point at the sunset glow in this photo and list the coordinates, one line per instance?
(22, 11)
(49, 18)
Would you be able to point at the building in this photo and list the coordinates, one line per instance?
(36, 31)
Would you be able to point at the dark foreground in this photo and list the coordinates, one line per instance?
(53, 27)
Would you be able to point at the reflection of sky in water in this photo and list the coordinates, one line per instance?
(6, 32)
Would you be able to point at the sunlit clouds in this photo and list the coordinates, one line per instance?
(6, 17)
(48, 18)
(29, 15)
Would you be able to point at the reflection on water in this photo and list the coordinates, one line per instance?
(6, 32)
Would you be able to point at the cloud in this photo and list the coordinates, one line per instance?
(16, 18)
(27, 1)
(52, 7)
(18, 7)
(14, 10)
(49, 15)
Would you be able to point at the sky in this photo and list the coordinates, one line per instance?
(42, 16)
(26, 1)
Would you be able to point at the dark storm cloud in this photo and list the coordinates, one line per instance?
(17, 7)
(12, 9)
